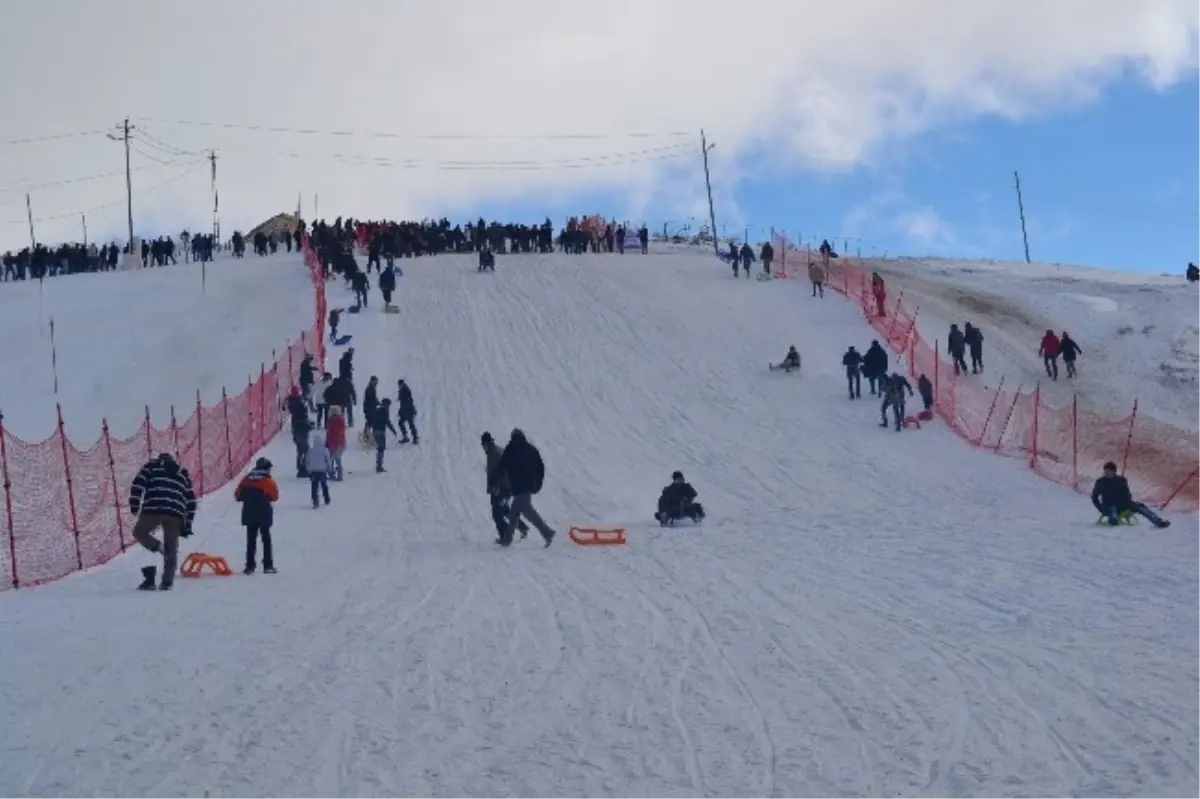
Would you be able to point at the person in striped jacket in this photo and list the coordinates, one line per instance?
(162, 496)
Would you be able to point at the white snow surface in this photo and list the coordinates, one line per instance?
(863, 612)
(1139, 333)
(155, 336)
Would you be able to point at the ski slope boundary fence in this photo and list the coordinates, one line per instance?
(65, 506)
(1067, 445)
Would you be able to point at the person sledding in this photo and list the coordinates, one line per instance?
(678, 501)
(790, 362)
(1112, 497)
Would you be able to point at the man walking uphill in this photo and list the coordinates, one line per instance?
(162, 496)
(522, 463)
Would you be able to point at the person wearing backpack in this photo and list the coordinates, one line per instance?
(258, 492)
(523, 465)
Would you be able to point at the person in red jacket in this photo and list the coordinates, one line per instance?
(335, 440)
(1049, 351)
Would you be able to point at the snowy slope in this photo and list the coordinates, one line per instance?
(863, 613)
(1139, 333)
(143, 337)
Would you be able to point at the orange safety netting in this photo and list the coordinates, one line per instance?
(65, 507)
(1067, 445)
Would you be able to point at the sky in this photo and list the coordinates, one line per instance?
(889, 126)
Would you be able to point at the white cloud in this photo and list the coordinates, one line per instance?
(819, 85)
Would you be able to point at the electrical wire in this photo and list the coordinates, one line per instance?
(419, 137)
(53, 137)
(577, 162)
(191, 168)
(25, 187)
(162, 146)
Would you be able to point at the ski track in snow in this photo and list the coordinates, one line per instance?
(863, 612)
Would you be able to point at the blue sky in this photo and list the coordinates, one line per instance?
(1112, 184)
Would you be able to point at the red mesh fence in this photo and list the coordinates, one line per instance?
(65, 506)
(1067, 445)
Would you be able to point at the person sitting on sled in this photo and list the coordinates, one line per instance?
(791, 361)
(1112, 497)
(678, 501)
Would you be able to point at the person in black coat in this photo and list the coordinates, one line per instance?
(308, 377)
(1112, 497)
(874, 367)
(341, 394)
(407, 413)
(925, 389)
(678, 501)
(379, 423)
(523, 465)
(853, 361)
(1069, 350)
(956, 345)
(387, 284)
(297, 408)
(974, 339)
(346, 364)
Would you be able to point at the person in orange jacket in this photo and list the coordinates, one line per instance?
(257, 492)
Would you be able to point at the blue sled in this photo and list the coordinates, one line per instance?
(342, 341)
(353, 309)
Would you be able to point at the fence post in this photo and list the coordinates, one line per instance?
(1129, 438)
(149, 438)
(199, 444)
(112, 471)
(8, 509)
(174, 434)
(1007, 419)
(937, 364)
(1075, 442)
(1174, 493)
(991, 410)
(262, 404)
(250, 414)
(1037, 410)
(228, 441)
(895, 315)
(62, 439)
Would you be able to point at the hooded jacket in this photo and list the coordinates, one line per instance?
(319, 458)
(256, 491)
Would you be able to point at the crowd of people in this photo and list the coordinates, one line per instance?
(40, 261)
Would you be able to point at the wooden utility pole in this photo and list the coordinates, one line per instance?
(212, 157)
(126, 129)
(712, 216)
(1021, 212)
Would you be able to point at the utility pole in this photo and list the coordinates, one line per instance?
(712, 217)
(1021, 212)
(126, 129)
(29, 214)
(212, 157)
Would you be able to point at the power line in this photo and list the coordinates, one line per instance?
(25, 187)
(52, 137)
(419, 137)
(162, 146)
(73, 214)
(577, 162)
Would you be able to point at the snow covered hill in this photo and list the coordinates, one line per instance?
(863, 612)
(1138, 332)
(152, 337)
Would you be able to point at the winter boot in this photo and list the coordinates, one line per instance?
(148, 575)
(249, 570)
(549, 537)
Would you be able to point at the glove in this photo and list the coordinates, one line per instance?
(187, 530)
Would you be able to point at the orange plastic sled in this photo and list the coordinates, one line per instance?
(194, 564)
(597, 536)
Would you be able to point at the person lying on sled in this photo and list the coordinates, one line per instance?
(1112, 497)
(678, 501)
(790, 361)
